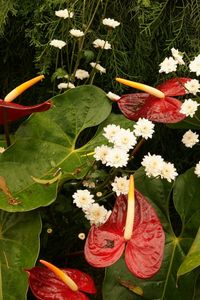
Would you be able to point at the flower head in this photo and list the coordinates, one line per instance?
(189, 107)
(197, 169)
(101, 44)
(81, 74)
(76, 33)
(124, 139)
(156, 104)
(110, 22)
(117, 158)
(83, 199)
(144, 128)
(2, 149)
(120, 185)
(168, 171)
(110, 131)
(101, 153)
(98, 67)
(112, 96)
(66, 85)
(64, 13)
(168, 65)
(57, 43)
(144, 248)
(54, 283)
(195, 65)
(190, 139)
(96, 214)
(153, 164)
(192, 86)
(178, 56)
(15, 111)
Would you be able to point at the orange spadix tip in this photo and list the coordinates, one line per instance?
(61, 275)
(143, 87)
(131, 193)
(22, 88)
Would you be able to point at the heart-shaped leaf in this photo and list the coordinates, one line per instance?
(47, 144)
(165, 284)
(19, 246)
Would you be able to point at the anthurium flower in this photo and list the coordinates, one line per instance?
(133, 228)
(156, 104)
(11, 111)
(52, 283)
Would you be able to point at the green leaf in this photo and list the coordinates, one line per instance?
(47, 143)
(164, 285)
(192, 260)
(19, 247)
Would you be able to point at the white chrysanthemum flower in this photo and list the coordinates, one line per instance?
(168, 171)
(197, 169)
(66, 85)
(178, 56)
(102, 44)
(81, 74)
(101, 153)
(120, 185)
(89, 184)
(192, 86)
(110, 22)
(57, 43)
(124, 139)
(194, 65)
(98, 67)
(144, 128)
(2, 149)
(96, 214)
(190, 139)
(168, 65)
(76, 33)
(113, 96)
(152, 164)
(117, 158)
(83, 199)
(99, 194)
(110, 131)
(64, 13)
(189, 107)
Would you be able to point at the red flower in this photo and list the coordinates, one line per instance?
(158, 104)
(52, 283)
(143, 249)
(10, 111)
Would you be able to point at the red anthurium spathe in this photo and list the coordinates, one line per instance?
(11, 112)
(156, 104)
(52, 283)
(134, 228)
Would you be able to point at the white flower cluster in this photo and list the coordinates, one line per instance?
(98, 43)
(194, 65)
(123, 140)
(120, 185)
(95, 213)
(110, 22)
(170, 63)
(57, 43)
(189, 107)
(190, 139)
(156, 166)
(98, 67)
(64, 13)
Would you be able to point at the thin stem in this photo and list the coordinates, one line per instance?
(141, 142)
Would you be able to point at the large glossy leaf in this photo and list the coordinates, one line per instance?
(120, 284)
(46, 144)
(19, 246)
